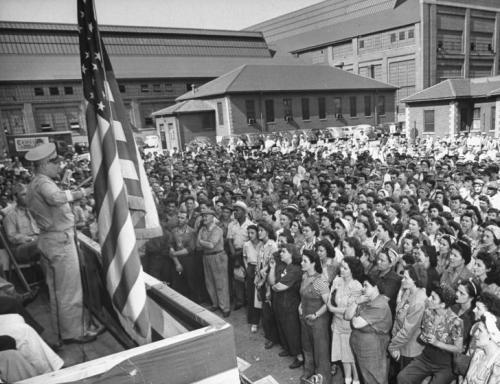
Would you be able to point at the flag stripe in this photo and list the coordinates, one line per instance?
(121, 190)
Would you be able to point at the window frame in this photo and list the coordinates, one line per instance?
(427, 122)
(369, 105)
(322, 108)
(353, 106)
(270, 116)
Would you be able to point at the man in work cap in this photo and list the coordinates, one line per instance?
(49, 206)
(211, 242)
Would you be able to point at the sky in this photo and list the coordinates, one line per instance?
(208, 14)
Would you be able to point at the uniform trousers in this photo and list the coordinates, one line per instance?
(216, 280)
(62, 269)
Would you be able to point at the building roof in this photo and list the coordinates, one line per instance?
(451, 89)
(334, 21)
(284, 78)
(187, 106)
(44, 51)
(406, 14)
(319, 15)
(140, 30)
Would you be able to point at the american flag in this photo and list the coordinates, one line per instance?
(124, 202)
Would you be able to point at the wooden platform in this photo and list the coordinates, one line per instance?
(192, 345)
(72, 353)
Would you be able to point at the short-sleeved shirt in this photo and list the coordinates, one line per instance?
(49, 205)
(377, 314)
(445, 325)
(214, 236)
(239, 233)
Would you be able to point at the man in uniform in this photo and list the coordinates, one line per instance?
(49, 206)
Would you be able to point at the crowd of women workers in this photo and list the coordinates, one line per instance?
(378, 264)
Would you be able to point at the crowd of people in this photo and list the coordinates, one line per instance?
(376, 258)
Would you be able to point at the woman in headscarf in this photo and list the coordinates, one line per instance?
(485, 365)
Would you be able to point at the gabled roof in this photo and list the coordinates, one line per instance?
(458, 88)
(284, 78)
(187, 106)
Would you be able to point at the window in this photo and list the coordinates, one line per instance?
(144, 88)
(122, 88)
(38, 91)
(368, 105)
(220, 113)
(402, 35)
(54, 91)
(156, 88)
(148, 121)
(250, 109)
(361, 44)
(372, 71)
(493, 118)
(429, 121)
(305, 109)
(321, 108)
(411, 34)
(68, 90)
(393, 37)
(269, 111)
(381, 105)
(476, 119)
(287, 108)
(337, 105)
(169, 87)
(352, 106)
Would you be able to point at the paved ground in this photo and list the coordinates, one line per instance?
(250, 347)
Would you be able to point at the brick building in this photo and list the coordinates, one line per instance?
(456, 106)
(412, 44)
(265, 98)
(40, 80)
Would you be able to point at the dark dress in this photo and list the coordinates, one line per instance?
(285, 307)
(369, 344)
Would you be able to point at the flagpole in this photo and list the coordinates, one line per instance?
(101, 53)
